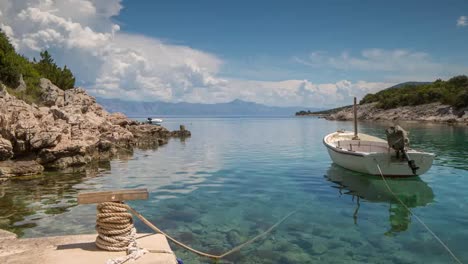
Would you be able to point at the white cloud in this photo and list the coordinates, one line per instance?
(395, 65)
(462, 21)
(116, 64)
(304, 92)
(151, 69)
(372, 60)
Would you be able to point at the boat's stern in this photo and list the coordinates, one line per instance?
(391, 166)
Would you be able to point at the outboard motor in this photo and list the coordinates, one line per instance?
(397, 139)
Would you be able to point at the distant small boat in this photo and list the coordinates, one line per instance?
(362, 153)
(154, 121)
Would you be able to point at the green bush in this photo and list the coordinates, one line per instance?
(453, 92)
(461, 99)
(47, 68)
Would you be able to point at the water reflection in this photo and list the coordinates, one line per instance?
(412, 191)
(25, 201)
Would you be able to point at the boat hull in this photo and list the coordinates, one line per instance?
(390, 165)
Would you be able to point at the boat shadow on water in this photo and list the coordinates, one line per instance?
(412, 191)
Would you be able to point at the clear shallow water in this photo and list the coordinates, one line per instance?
(237, 176)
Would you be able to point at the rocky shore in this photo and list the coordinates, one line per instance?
(434, 112)
(68, 129)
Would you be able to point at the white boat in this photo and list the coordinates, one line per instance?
(154, 121)
(366, 154)
(363, 155)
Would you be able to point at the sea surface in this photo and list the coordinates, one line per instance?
(235, 177)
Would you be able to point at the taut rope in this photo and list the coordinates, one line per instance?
(204, 254)
(417, 218)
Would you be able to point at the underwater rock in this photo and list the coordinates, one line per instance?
(265, 254)
(235, 257)
(234, 238)
(322, 231)
(183, 216)
(319, 246)
(186, 237)
(293, 254)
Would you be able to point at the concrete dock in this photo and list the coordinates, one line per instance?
(77, 249)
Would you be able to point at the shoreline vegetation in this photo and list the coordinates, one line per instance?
(439, 101)
(47, 124)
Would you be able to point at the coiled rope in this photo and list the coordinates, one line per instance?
(116, 233)
(417, 218)
(114, 225)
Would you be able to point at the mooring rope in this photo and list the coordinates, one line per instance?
(417, 218)
(204, 254)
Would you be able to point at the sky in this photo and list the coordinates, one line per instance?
(281, 53)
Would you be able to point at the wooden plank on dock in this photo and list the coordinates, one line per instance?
(113, 196)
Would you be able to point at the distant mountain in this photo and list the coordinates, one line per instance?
(234, 108)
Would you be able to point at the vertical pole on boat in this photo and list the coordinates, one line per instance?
(355, 120)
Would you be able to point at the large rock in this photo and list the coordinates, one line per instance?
(119, 119)
(51, 94)
(19, 168)
(6, 149)
(71, 161)
(118, 136)
(49, 155)
(59, 113)
(4, 235)
(149, 132)
(147, 135)
(22, 85)
(44, 139)
(181, 133)
(3, 90)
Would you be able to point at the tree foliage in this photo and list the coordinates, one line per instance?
(46, 66)
(9, 62)
(14, 65)
(301, 113)
(453, 92)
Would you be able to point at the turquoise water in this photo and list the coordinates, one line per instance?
(235, 177)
